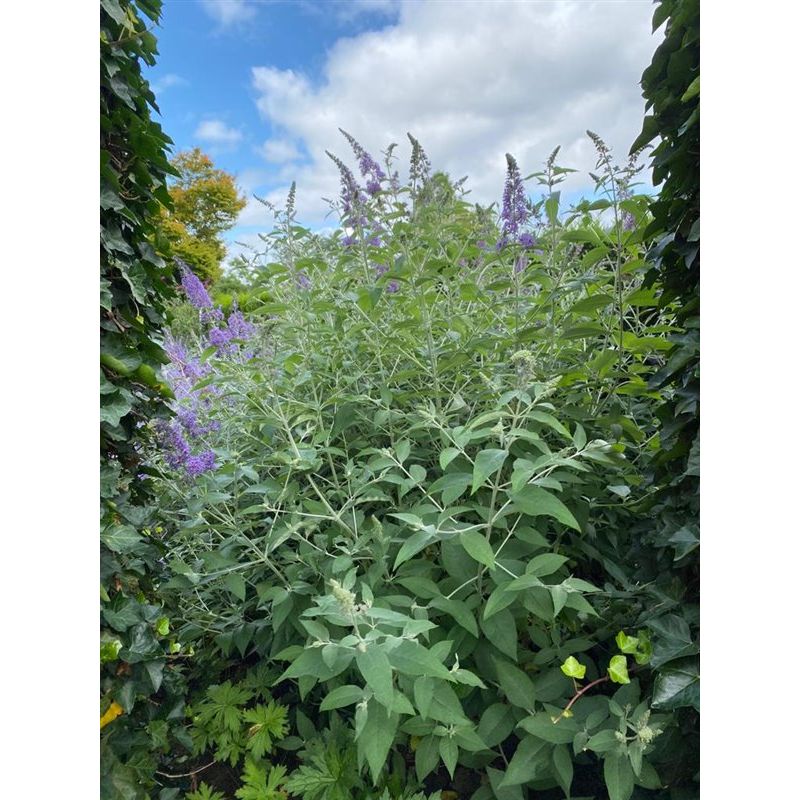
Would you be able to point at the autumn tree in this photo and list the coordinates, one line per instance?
(206, 203)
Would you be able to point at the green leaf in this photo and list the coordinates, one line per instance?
(618, 776)
(477, 545)
(496, 724)
(448, 750)
(627, 644)
(423, 694)
(342, 696)
(411, 546)
(572, 668)
(377, 672)
(543, 727)
(501, 631)
(426, 756)
(446, 456)
(498, 600)
(677, 685)
(411, 658)
(458, 610)
(550, 421)
(562, 763)
(121, 539)
(603, 741)
(498, 791)
(377, 737)
(518, 687)
(487, 462)
(545, 564)
(402, 450)
(525, 766)
(618, 670)
(445, 706)
(692, 91)
(535, 501)
(235, 584)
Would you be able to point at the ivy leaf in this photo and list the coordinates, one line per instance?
(573, 668)
(618, 669)
(627, 644)
(487, 462)
(677, 685)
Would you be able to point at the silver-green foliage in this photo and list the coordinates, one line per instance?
(422, 511)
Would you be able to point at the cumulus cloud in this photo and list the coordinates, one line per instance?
(215, 131)
(168, 81)
(472, 81)
(229, 12)
(279, 151)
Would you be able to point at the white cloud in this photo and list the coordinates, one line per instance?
(229, 12)
(215, 131)
(472, 81)
(347, 10)
(168, 81)
(279, 151)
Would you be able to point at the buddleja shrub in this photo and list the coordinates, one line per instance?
(407, 491)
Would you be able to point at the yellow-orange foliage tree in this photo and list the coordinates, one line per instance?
(206, 203)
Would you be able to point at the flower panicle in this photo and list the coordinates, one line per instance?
(515, 212)
(420, 168)
(368, 166)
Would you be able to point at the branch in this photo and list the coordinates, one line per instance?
(186, 774)
(579, 694)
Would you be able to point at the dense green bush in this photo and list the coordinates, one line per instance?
(404, 509)
(136, 282)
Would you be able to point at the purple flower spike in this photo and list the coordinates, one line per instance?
(392, 287)
(527, 240)
(302, 281)
(515, 211)
(195, 291)
(204, 462)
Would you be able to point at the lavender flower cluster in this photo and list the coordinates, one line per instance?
(515, 213)
(192, 421)
(369, 167)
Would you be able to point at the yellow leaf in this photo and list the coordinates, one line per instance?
(114, 710)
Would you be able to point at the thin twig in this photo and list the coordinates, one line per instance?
(186, 774)
(578, 695)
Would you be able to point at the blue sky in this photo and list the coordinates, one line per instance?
(263, 86)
